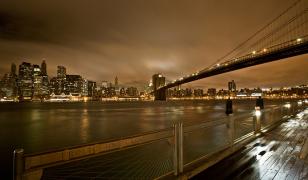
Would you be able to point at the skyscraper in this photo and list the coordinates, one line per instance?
(116, 83)
(13, 81)
(73, 84)
(44, 68)
(61, 80)
(61, 72)
(37, 81)
(232, 86)
(91, 88)
(45, 80)
(13, 70)
(25, 82)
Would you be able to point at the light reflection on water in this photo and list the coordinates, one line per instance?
(84, 126)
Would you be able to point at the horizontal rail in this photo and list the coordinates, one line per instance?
(43, 160)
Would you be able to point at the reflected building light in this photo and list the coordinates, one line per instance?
(257, 111)
(288, 105)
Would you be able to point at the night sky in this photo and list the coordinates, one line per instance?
(133, 39)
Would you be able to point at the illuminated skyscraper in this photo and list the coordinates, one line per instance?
(37, 81)
(25, 82)
(61, 80)
(73, 84)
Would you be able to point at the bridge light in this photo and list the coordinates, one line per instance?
(264, 50)
(254, 52)
(299, 40)
(218, 64)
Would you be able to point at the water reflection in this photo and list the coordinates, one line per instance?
(84, 126)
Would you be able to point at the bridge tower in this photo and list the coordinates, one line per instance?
(160, 95)
(158, 81)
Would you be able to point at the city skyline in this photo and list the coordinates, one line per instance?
(134, 42)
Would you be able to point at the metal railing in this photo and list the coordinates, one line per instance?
(31, 166)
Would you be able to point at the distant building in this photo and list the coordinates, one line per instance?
(132, 92)
(188, 92)
(91, 88)
(104, 84)
(37, 82)
(73, 84)
(53, 86)
(61, 80)
(158, 81)
(61, 72)
(198, 92)
(6, 87)
(25, 83)
(45, 80)
(85, 87)
(109, 85)
(211, 92)
(232, 86)
(122, 92)
(116, 82)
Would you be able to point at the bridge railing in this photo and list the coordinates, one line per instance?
(189, 145)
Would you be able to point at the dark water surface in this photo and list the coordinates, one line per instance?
(39, 127)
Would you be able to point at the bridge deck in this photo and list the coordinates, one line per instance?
(279, 154)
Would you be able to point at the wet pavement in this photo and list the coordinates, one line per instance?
(279, 154)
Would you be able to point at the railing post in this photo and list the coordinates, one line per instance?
(18, 164)
(178, 148)
(257, 122)
(175, 149)
(231, 129)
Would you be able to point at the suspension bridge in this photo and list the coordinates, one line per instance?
(283, 37)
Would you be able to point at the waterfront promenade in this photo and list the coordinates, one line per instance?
(279, 154)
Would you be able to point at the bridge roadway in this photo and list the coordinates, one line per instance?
(280, 154)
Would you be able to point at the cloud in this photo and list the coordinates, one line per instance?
(101, 39)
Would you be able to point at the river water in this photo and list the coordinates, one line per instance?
(39, 127)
